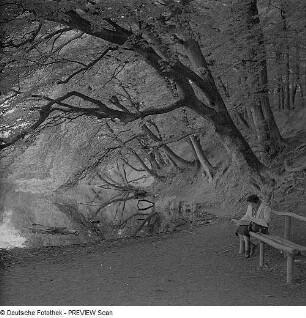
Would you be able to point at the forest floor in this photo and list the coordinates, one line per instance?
(199, 266)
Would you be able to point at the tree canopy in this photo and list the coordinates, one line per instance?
(154, 72)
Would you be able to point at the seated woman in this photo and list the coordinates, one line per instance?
(256, 219)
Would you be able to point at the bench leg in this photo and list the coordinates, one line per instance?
(261, 254)
(287, 230)
(290, 262)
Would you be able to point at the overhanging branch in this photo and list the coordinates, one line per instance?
(88, 66)
(100, 112)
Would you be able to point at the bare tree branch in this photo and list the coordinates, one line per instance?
(43, 115)
(88, 66)
(139, 159)
(131, 166)
(100, 112)
(60, 47)
(178, 138)
(146, 168)
(168, 150)
(76, 21)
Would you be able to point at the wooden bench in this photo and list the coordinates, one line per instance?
(284, 244)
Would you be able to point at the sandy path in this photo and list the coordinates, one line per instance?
(199, 268)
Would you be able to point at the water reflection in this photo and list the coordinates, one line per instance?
(9, 236)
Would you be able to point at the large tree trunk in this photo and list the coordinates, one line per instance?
(265, 125)
(216, 112)
(287, 55)
(229, 134)
(250, 117)
(280, 88)
(255, 63)
(261, 129)
(297, 75)
(275, 140)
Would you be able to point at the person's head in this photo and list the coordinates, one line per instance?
(253, 199)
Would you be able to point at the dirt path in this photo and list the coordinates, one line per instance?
(186, 268)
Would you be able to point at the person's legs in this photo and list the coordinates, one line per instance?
(241, 244)
(252, 248)
(244, 238)
(246, 245)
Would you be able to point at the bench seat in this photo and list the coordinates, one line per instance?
(280, 243)
(290, 248)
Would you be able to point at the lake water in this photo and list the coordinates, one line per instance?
(9, 236)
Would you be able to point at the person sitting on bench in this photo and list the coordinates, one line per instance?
(256, 219)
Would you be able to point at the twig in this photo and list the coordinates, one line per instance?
(88, 66)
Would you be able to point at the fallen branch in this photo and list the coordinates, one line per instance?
(42, 229)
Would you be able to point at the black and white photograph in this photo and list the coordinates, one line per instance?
(152, 157)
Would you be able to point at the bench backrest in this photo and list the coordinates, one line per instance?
(288, 216)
